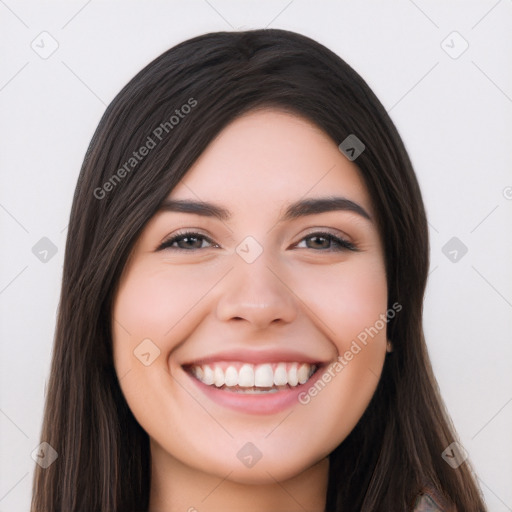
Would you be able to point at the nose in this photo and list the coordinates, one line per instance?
(257, 294)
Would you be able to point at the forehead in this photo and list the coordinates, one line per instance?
(269, 157)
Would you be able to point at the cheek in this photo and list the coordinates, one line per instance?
(348, 299)
(160, 306)
(151, 315)
(154, 304)
(145, 303)
(350, 304)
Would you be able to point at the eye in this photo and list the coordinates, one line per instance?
(326, 242)
(192, 240)
(188, 240)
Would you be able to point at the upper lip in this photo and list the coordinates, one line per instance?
(257, 357)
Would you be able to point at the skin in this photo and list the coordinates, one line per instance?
(295, 295)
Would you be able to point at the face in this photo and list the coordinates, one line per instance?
(249, 332)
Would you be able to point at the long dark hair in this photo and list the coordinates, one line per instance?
(180, 102)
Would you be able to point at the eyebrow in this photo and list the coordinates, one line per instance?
(295, 210)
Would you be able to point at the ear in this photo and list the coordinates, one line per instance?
(389, 346)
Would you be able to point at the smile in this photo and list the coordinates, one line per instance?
(254, 382)
(249, 378)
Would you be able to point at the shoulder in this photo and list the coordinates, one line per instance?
(428, 500)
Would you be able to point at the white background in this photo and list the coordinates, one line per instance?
(454, 114)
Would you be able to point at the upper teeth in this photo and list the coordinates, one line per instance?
(249, 375)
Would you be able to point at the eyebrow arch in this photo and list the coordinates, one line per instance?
(298, 209)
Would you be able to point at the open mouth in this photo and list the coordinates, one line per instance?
(246, 378)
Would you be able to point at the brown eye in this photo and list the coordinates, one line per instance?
(186, 241)
(326, 242)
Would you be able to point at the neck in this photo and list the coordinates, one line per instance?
(176, 487)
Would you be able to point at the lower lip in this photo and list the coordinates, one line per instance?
(263, 403)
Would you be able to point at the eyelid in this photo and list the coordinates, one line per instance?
(183, 233)
(341, 240)
(326, 231)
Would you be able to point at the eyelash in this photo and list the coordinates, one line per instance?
(342, 244)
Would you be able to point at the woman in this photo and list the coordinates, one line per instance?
(240, 320)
